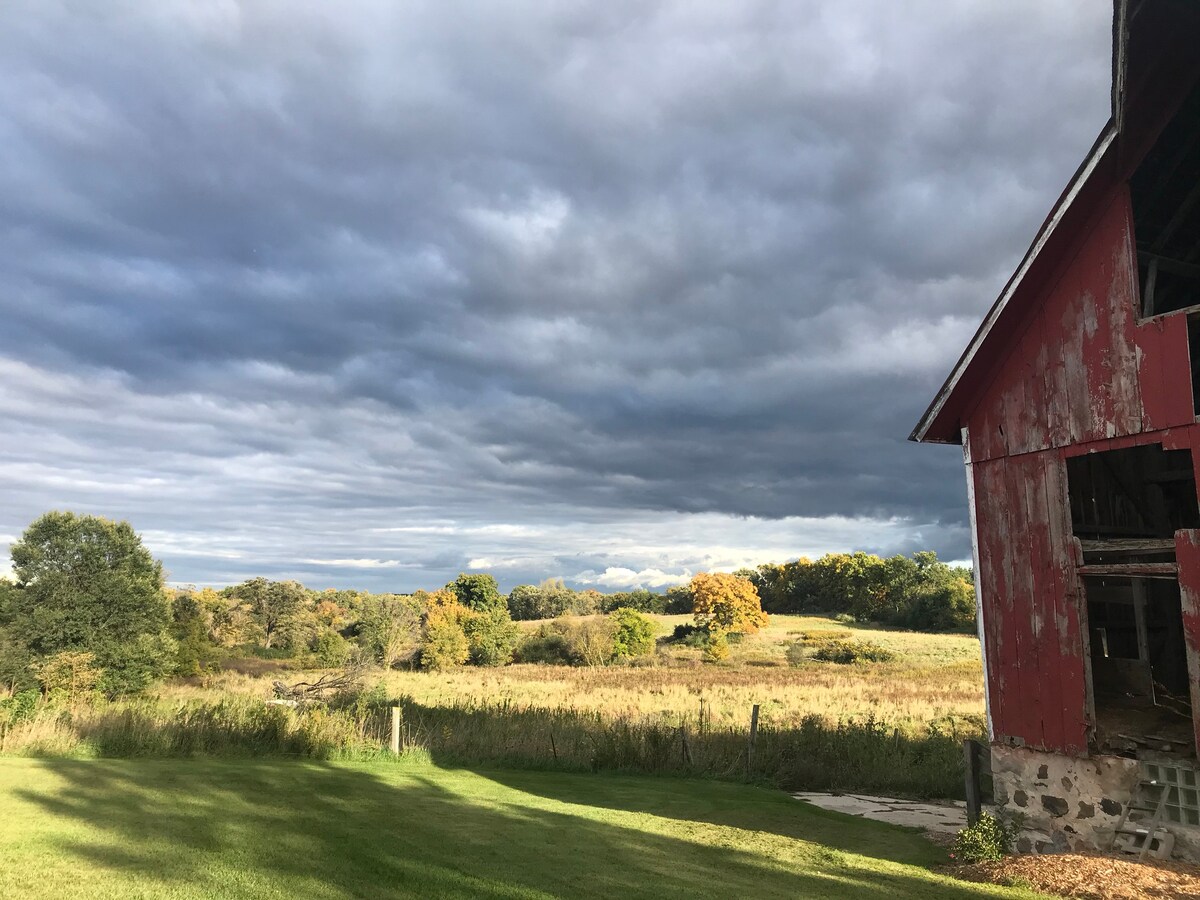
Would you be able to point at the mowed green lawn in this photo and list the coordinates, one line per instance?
(203, 829)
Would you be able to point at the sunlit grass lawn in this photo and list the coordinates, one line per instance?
(284, 829)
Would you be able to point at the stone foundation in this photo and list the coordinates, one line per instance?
(1069, 803)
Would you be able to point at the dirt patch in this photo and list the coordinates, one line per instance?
(1090, 877)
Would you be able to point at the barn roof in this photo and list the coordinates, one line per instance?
(1163, 57)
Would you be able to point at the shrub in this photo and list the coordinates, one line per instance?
(846, 652)
(689, 636)
(574, 642)
(717, 648)
(633, 634)
(988, 840)
(331, 649)
(796, 653)
(845, 619)
(592, 640)
(72, 673)
(546, 646)
(20, 707)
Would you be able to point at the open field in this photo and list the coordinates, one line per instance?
(259, 829)
(934, 678)
(893, 728)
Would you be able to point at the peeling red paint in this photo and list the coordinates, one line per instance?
(1062, 366)
(1084, 376)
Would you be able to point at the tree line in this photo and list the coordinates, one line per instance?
(918, 591)
(89, 610)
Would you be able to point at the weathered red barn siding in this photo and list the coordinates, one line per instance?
(1081, 374)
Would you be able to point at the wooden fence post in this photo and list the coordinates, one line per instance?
(396, 730)
(753, 738)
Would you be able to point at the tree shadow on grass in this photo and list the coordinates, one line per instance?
(730, 805)
(188, 828)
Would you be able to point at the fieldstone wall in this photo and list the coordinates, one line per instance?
(1067, 803)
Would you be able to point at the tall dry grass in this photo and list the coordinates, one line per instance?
(890, 727)
(813, 755)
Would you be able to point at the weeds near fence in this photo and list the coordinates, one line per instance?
(815, 754)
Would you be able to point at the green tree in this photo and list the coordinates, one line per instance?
(633, 635)
(88, 584)
(491, 636)
(331, 649)
(477, 592)
(272, 604)
(191, 625)
(15, 658)
(390, 624)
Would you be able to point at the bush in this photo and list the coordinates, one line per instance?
(20, 707)
(846, 652)
(689, 636)
(331, 650)
(845, 619)
(72, 673)
(633, 634)
(987, 840)
(546, 646)
(796, 653)
(574, 642)
(717, 648)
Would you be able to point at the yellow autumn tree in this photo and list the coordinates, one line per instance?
(445, 644)
(726, 603)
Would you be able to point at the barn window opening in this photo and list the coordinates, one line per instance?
(1165, 191)
(1137, 497)
(1126, 506)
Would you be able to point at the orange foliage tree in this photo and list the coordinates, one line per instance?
(726, 603)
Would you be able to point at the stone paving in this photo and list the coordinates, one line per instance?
(938, 818)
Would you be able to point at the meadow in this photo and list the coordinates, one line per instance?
(891, 727)
(107, 829)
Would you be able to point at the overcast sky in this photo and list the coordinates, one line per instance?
(368, 294)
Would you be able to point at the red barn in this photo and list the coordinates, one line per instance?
(1076, 405)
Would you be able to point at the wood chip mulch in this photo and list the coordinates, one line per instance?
(1090, 877)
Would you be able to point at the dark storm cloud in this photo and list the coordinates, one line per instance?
(637, 286)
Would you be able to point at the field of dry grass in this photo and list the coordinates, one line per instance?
(886, 727)
(934, 678)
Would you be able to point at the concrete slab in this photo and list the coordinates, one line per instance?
(940, 818)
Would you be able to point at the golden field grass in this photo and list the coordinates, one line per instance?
(934, 678)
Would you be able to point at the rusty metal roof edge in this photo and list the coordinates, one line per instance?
(1107, 136)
